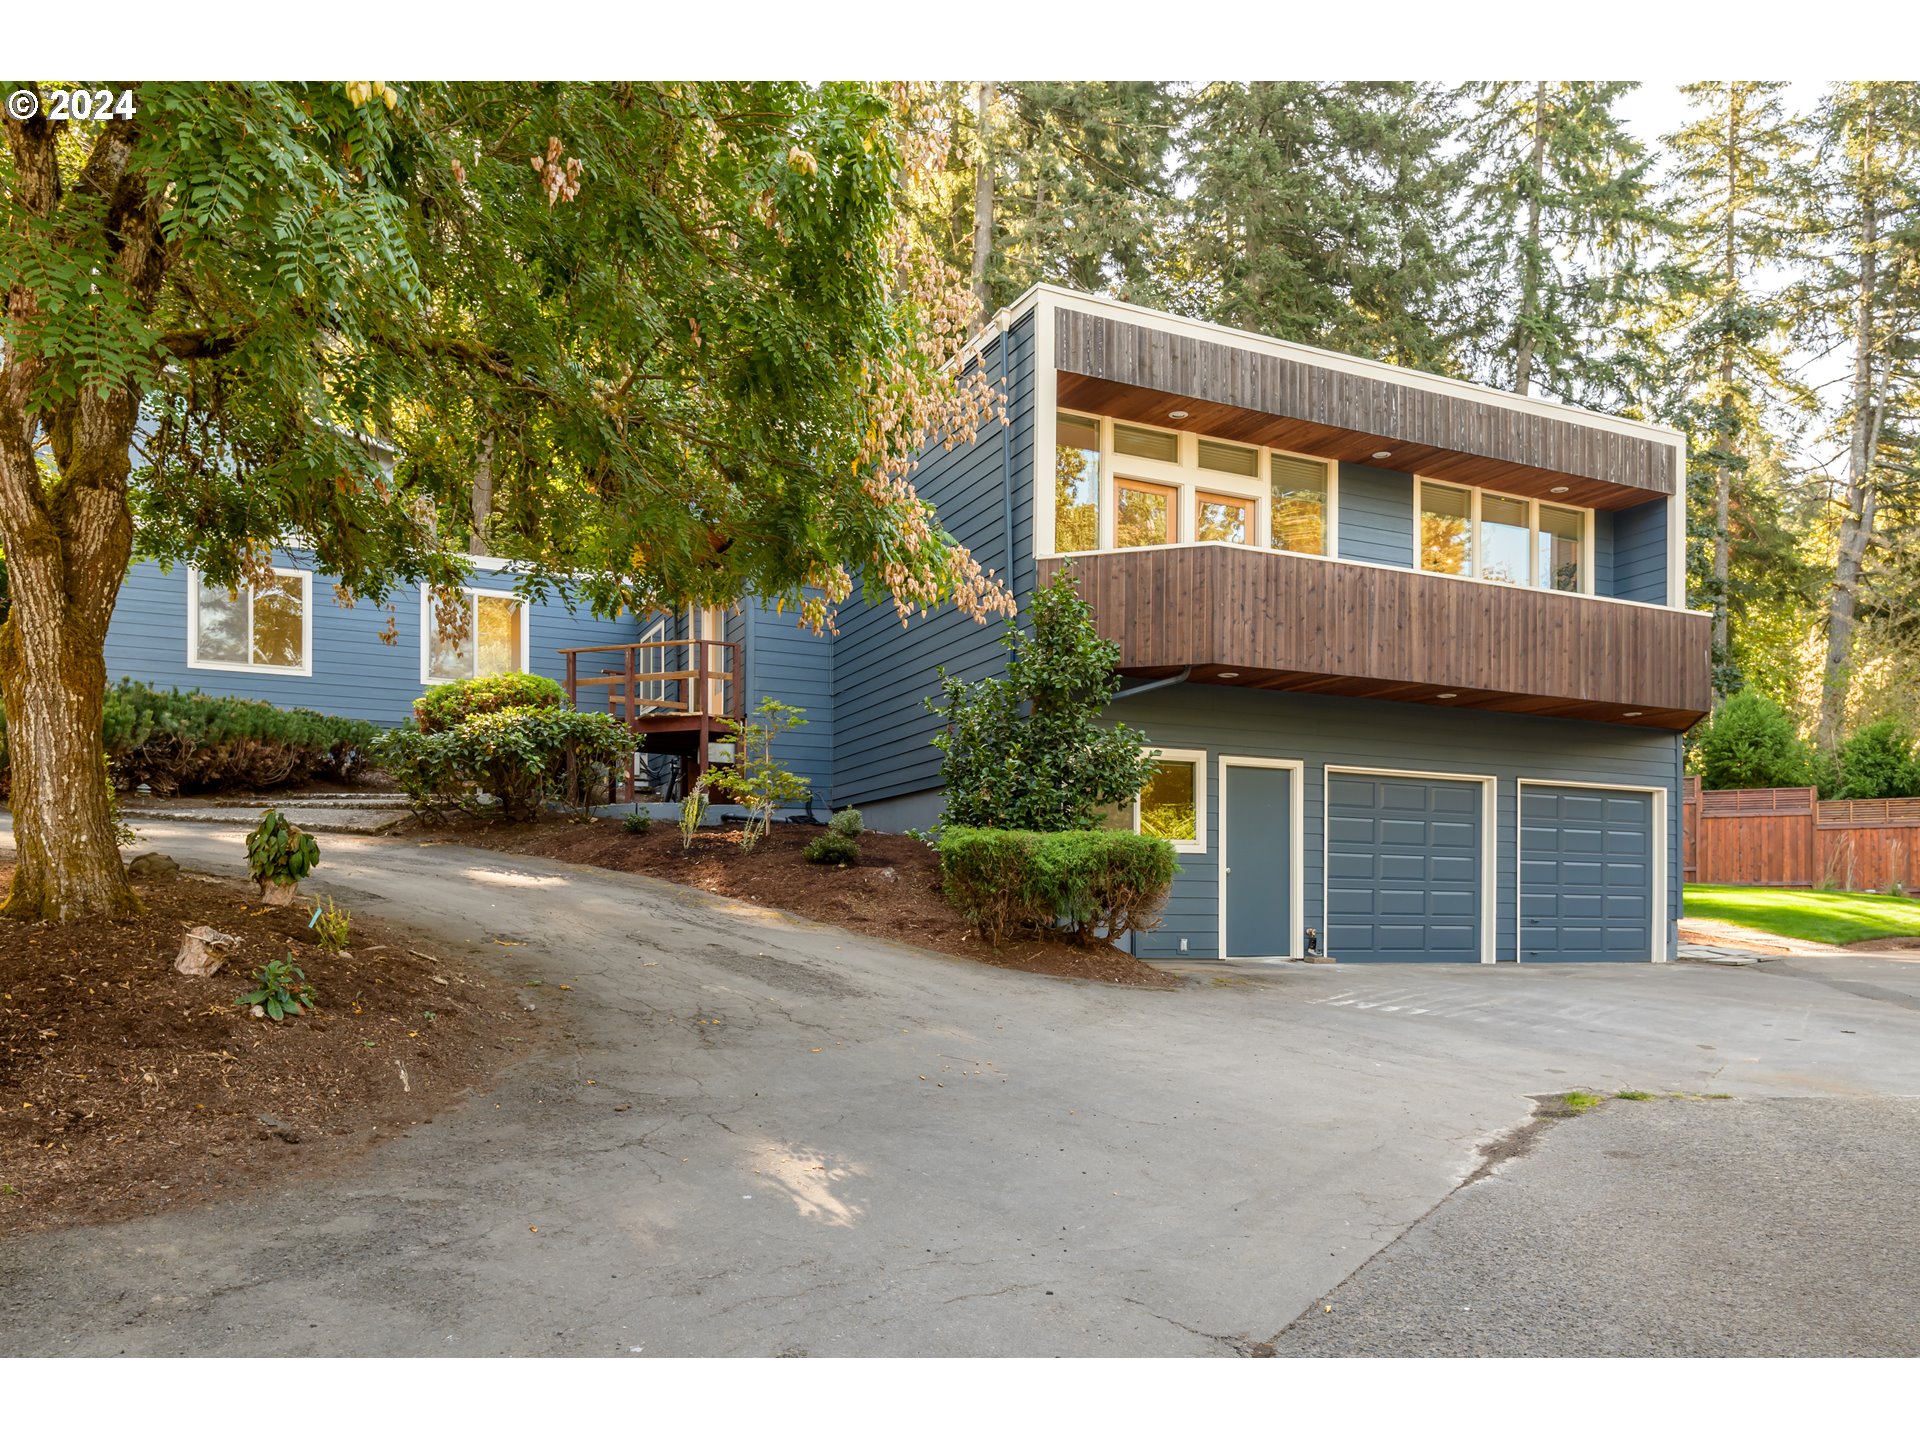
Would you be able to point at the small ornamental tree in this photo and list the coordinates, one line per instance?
(755, 779)
(1877, 761)
(1029, 751)
(1750, 743)
(660, 343)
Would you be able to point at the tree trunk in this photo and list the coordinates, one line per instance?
(64, 569)
(1724, 436)
(482, 498)
(983, 198)
(1530, 276)
(1856, 524)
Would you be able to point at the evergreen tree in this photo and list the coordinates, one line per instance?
(1323, 213)
(1750, 743)
(1864, 297)
(1734, 189)
(1562, 213)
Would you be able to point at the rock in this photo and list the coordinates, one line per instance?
(887, 874)
(526, 1004)
(203, 950)
(278, 1128)
(153, 866)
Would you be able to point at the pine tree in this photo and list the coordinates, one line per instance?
(1324, 213)
(1735, 190)
(1865, 297)
(1563, 216)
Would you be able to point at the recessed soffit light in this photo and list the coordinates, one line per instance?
(1631, 713)
(1176, 414)
(1559, 490)
(1383, 454)
(1229, 674)
(1448, 695)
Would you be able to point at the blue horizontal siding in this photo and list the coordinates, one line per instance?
(1640, 552)
(1603, 552)
(1323, 730)
(355, 672)
(794, 666)
(883, 733)
(1376, 515)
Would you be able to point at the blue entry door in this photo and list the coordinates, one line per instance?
(1586, 873)
(1403, 868)
(1257, 832)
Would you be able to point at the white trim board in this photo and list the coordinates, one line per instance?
(1660, 898)
(1297, 846)
(1489, 846)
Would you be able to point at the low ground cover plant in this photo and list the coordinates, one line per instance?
(184, 742)
(280, 989)
(833, 848)
(1091, 885)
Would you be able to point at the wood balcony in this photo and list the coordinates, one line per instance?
(1276, 621)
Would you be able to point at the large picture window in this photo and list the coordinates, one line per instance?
(495, 642)
(1504, 538)
(1076, 484)
(266, 627)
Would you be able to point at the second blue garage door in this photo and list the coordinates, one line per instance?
(1586, 874)
(1403, 868)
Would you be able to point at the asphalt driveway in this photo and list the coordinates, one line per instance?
(879, 1151)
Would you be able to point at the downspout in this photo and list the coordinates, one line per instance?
(1159, 684)
(1006, 463)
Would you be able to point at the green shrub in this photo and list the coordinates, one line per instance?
(445, 706)
(1750, 743)
(757, 780)
(280, 852)
(520, 757)
(1876, 762)
(281, 989)
(1031, 751)
(1099, 884)
(847, 824)
(637, 823)
(833, 848)
(181, 741)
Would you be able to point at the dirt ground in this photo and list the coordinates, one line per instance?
(126, 1087)
(893, 893)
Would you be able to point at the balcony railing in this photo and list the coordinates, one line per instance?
(1274, 620)
(679, 710)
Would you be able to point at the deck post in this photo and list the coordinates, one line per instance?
(632, 696)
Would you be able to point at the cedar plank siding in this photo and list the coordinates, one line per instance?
(1301, 622)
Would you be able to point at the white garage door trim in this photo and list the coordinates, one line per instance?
(1661, 920)
(1489, 843)
(1297, 871)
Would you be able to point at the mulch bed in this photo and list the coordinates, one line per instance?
(893, 893)
(127, 1088)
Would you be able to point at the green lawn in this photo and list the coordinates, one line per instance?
(1827, 916)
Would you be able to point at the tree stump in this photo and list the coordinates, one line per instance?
(277, 892)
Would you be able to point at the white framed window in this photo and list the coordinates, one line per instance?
(1118, 485)
(496, 641)
(1505, 539)
(1173, 804)
(265, 628)
(653, 662)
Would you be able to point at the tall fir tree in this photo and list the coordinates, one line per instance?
(1324, 213)
(1563, 219)
(1863, 298)
(1718, 331)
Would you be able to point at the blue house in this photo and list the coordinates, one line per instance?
(1415, 653)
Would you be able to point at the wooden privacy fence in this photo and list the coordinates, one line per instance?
(1793, 837)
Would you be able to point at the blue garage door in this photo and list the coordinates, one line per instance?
(1586, 874)
(1403, 868)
